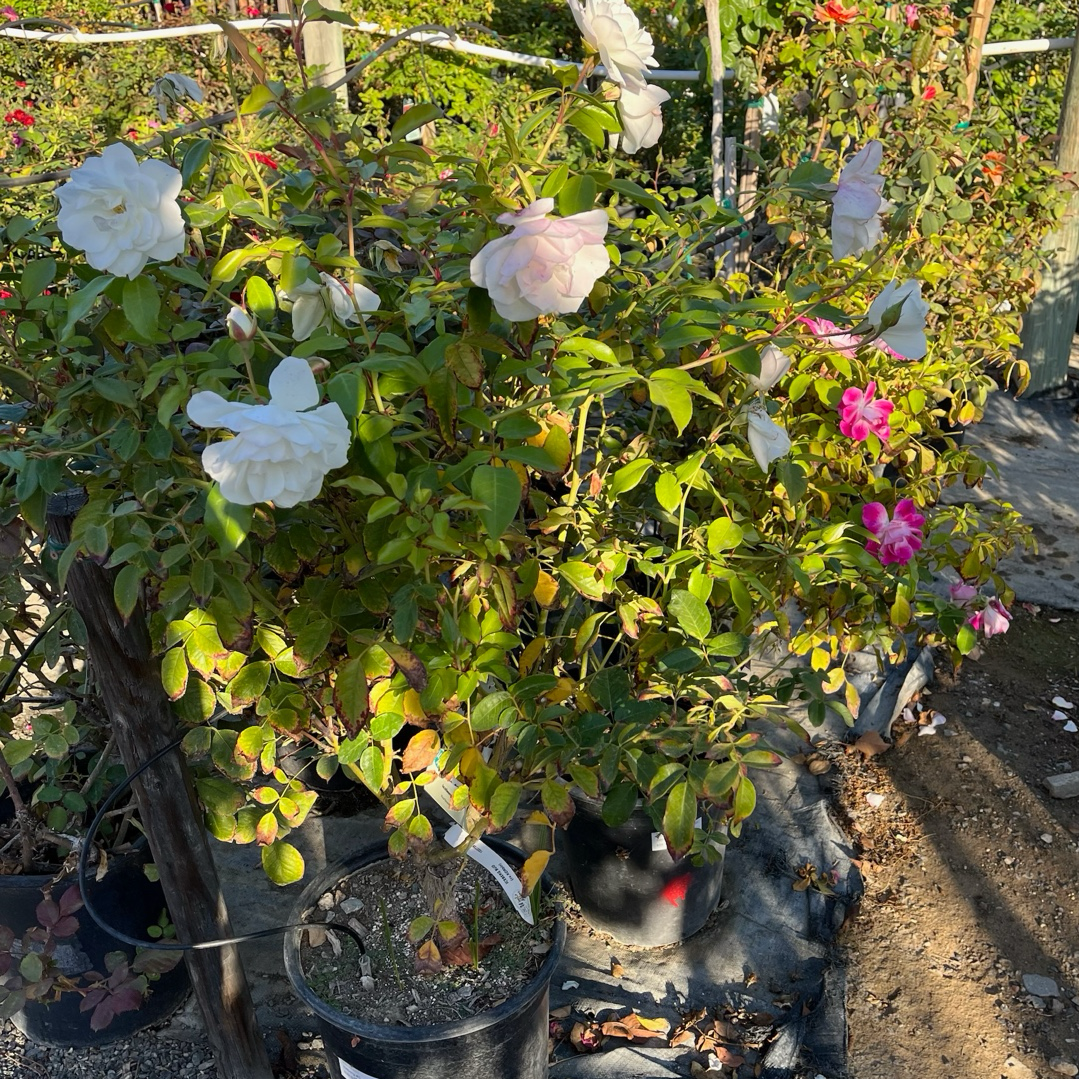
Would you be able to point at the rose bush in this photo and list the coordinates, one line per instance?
(523, 522)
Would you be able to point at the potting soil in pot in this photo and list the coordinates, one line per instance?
(380, 903)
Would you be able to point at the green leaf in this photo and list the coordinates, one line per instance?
(728, 644)
(628, 476)
(583, 578)
(675, 399)
(142, 305)
(414, 119)
(385, 725)
(794, 481)
(283, 862)
(619, 804)
(668, 492)
(79, 304)
(745, 800)
(16, 750)
(678, 817)
(723, 535)
(373, 768)
(610, 689)
(504, 803)
(125, 590)
(578, 194)
(226, 522)
(966, 639)
(229, 265)
(36, 277)
(260, 298)
(494, 710)
(249, 683)
(691, 614)
(465, 361)
(196, 157)
(350, 690)
(555, 182)
(499, 490)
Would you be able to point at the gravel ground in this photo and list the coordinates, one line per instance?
(151, 1055)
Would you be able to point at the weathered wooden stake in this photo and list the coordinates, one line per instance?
(977, 27)
(324, 46)
(1049, 325)
(715, 47)
(142, 721)
(747, 186)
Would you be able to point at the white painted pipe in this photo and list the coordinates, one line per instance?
(439, 41)
(1037, 44)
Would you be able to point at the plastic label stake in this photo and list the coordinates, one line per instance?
(497, 866)
(349, 1072)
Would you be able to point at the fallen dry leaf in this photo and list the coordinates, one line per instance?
(585, 1037)
(728, 1058)
(682, 1037)
(636, 1027)
(871, 743)
(617, 970)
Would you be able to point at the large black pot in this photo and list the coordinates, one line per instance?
(125, 899)
(507, 1042)
(627, 884)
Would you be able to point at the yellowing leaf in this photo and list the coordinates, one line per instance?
(546, 590)
(421, 750)
(533, 869)
(530, 654)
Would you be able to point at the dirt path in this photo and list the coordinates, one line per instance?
(972, 874)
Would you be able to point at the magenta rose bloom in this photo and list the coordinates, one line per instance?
(860, 413)
(896, 539)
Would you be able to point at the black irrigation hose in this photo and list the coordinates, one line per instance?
(173, 946)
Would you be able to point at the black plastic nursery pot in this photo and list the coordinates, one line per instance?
(507, 1042)
(628, 885)
(126, 899)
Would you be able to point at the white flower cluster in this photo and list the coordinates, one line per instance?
(626, 51)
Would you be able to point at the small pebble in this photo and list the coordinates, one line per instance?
(1045, 837)
(1040, 986)
(1063, 1067)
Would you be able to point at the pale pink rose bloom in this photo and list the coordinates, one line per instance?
(860, 413)
(546, 265)
(828, 333)
(642, 120)
(857, 203)
(910, 14)
(992, 619)
(625, 48)
(962, 593)
(896, 540)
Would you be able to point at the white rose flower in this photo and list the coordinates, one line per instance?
(767, 439)
(314, 301)
(546, 265)
(906, 337)
(281, 452)
(122, 213)
(625, 48)
(173, 88)
(857, 203)
(240, 324)
(642, 120)
(774, 365)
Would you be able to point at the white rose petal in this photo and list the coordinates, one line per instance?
(642, 119)
(857, 203)
(1070, 727)
(874, 800)
(546, 265)
(907, 336)
(1060, 702)
(774, 365)
(121, 212)
(281, 452)
(767, 439)
(313, 302)
(625, 48)
(769, 114)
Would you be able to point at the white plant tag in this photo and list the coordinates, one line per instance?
(659, 843)
(498, 867)
(441, 790)
(349, 1072)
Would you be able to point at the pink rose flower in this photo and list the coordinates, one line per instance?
(962, 593)
(828, 333)
(897, 539)
(859, 413)
(910, 14)
(992, 619)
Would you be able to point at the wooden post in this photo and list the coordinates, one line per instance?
(324, 46)
(725, 257)
(143, 722)
(715, 47)
(747, 186)
(1049, 325)
(977, 28)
